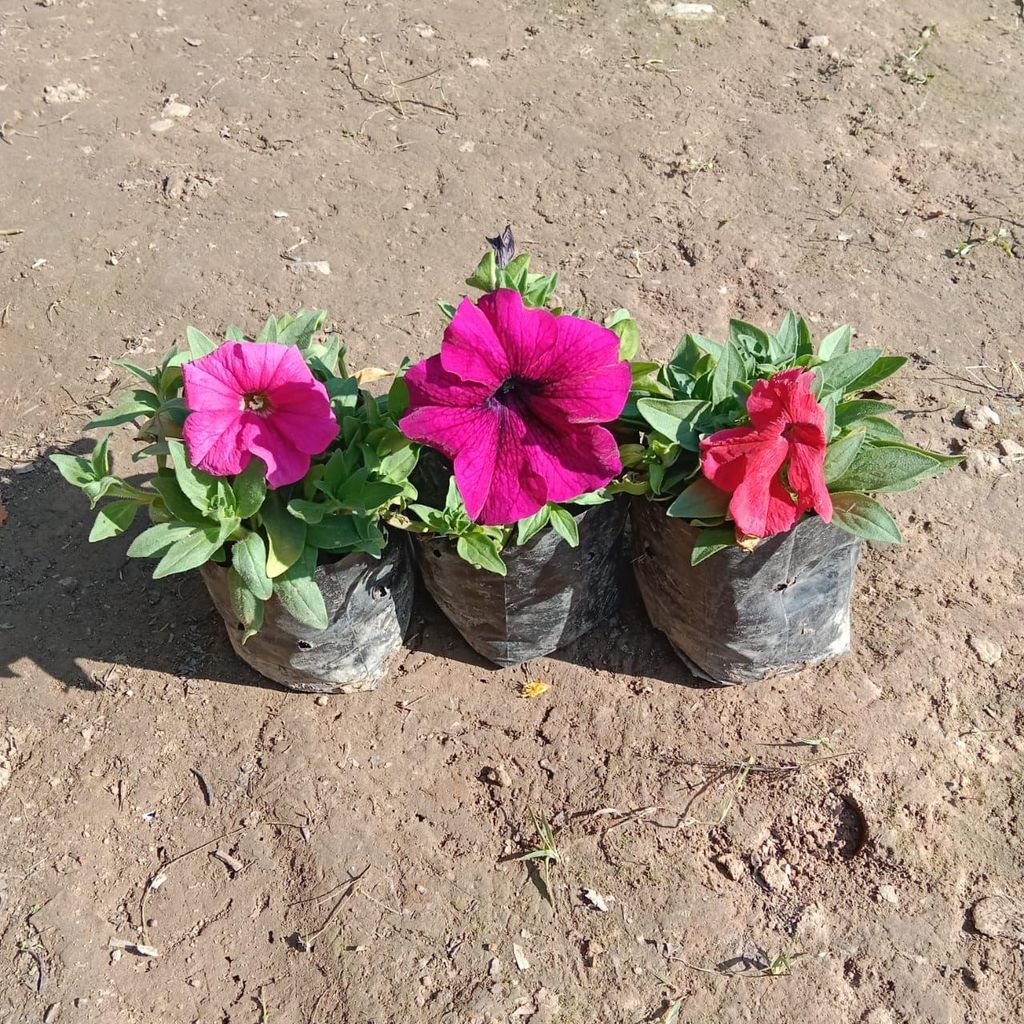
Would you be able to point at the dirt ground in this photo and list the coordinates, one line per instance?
(687, 169)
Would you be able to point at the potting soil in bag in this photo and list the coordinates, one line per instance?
(552, 594)
(738, 616)
(369, 603)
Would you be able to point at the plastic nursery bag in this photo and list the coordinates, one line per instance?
(369, 603)
(552, 593)
(739, 617)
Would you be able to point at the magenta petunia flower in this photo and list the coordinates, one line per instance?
(514, 400)
(247, 399)
(782, 451)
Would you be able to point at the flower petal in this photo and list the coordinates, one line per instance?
(581, 346)
(285, 463)
(786, 396)
(515, 490)
(475, 460)
(429, 383)
(528, 335)
(217, 442)
(724, 454)
(302, 413)
(575, 461)
(471, 349)
(596, 397)
(806, 470)
(760, 505)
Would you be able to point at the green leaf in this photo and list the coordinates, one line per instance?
(298, 592)
(77, 471)
(199, 344)
(250, 488)
(835, 344)
(891, 467)
(828, 405)
(532, 525)
(447, 310)
(485, 277)
(244, 602)
(157, 539)
(677, 421)
(174, 499)
(286, 534)
(848, 413)
(709, 345)
(398, 398)
(130, 406)
(750, 340)
(863, 517)
(310, 512)
(99, 458)
(200, 488)
(269, 331)
(839, 455)
(564, 524)
(880, 429)
(622, 324)
(256, 625)
(710, 541)
(249, 559)
(100, 488)
(190, 552)
(480, 550)
(883, 367)
(517, 272)
(113, 519)
(842, 370)
(151, 378)
(701, 500)
(786, 342)
(728, 369)
(301, 330)
(233, 333)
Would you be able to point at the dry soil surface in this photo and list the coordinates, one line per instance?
(847, 840)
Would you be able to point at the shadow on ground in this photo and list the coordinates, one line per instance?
(73, 608)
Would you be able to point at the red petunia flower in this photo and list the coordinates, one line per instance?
(781, 454)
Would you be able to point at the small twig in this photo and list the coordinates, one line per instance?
(307, 940)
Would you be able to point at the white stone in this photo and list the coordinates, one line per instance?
(172, 108)
(988, 653)
(816, 42)
(979, 417)
(689, 12)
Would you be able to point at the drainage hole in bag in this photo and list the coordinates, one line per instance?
(303, 645)
(784, 585)
(379, 591)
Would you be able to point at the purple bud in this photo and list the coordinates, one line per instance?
(504, 247)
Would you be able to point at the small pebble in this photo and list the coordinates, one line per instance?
(979, 417)
(1010, 449)
(322, 701)
(888, 894)
(815, 43)
(732, 865)
(988, 653)
(774, 877)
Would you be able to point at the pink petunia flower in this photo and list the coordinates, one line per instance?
(247, 399)
(786, 436)
(514, 400)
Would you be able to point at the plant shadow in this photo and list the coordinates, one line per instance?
(75, 609)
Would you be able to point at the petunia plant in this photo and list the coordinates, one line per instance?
(743, 438)
(268, 459)
(518, 401)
